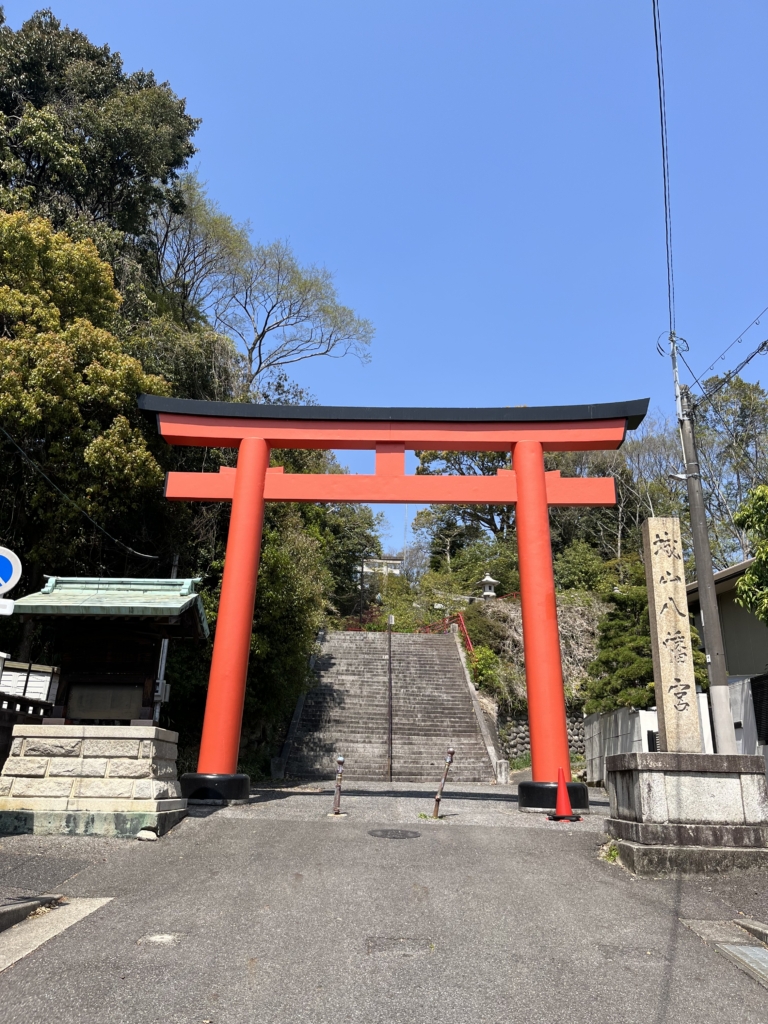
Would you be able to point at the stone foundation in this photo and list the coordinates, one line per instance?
(678, 813)
(676, 861)
(517, 740)
(90, 779)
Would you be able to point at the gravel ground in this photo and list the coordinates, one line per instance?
(402, 803)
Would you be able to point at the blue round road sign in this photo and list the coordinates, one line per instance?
(10, 570)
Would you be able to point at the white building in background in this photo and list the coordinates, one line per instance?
(382, 566)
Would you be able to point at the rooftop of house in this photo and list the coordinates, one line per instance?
(725, 580)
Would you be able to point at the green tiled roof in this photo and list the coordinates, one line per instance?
(123, 598)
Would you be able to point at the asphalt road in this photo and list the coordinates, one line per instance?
(275, 913)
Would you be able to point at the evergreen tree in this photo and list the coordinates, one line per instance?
(119, 275)
(622, 673)
(752, 518)
(80, 138)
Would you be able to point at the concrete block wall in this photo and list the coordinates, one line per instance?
(93, 768)
(623, 731)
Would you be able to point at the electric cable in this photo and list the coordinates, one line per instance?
(727, 377)
(39, 469)
(707, 396)
(665, 165)
(737, 341)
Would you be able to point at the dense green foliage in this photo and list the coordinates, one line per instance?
(484, 630)
(485, 669)
(622, 673)
(752, 588)
(580, 567)
(81, 138)
(119, 276)
(67, 397)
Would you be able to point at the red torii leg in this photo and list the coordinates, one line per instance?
(234, 624)
(543, 666)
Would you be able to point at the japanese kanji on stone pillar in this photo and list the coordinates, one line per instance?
(676, 703)
(524, 432)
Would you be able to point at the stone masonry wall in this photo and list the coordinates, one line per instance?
(517, 741)
(112, 768)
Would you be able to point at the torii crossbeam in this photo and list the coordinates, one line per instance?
(256, 429)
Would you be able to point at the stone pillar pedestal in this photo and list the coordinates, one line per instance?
(90, 780)
(676, 813)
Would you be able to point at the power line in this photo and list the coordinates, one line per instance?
(736, 341)
(664, 165)
(707, 395)
(715, 410)
(38, 469)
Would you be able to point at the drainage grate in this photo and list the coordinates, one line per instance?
(752, 959)
(393, 833)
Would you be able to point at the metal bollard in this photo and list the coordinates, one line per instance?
(439, 794)
(337, 794)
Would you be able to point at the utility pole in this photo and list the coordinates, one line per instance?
(725, 736)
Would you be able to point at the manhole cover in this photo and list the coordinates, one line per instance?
(393, 833)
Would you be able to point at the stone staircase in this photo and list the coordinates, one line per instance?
(346, 712)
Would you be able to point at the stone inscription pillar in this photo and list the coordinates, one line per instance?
(676, 704)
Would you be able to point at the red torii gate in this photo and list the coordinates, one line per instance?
(255, 429)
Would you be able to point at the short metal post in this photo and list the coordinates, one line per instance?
(439, 794)
(337, 794)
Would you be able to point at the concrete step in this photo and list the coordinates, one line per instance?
(347, 711)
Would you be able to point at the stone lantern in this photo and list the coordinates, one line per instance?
(488, 584)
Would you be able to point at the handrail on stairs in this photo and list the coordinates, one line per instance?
(444, 627)
(463, 627)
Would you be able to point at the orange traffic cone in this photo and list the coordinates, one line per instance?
(563, 809)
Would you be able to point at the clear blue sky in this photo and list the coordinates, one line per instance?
(483, 178)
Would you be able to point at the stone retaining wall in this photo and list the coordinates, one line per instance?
(517, 740)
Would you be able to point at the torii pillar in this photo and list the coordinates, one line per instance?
(547, 720)
(254, 430)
